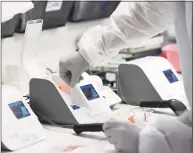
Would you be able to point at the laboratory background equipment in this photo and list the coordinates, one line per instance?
(90, 10)
(8, 27)
(58, 13)
(10, 16)
(53, 13)
(170, 52)
(20, 125)
(108, 77)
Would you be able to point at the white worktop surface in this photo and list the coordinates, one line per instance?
(58, 138)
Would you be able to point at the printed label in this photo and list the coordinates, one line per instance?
(53, 6)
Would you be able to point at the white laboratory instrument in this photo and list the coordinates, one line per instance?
(149, 79)
(20, 126)
(88, 102)
(91, 93)
(54, 105)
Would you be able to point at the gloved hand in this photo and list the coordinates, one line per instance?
(72, 67)
(167, 134)
(123, 135)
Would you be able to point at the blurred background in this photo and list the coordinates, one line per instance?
(64, 22)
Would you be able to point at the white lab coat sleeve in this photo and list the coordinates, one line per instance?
(129, 26)
(151, 140)
(167, 135)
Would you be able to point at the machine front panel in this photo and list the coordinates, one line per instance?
(89, 92)
(19, 109)
(170, 76)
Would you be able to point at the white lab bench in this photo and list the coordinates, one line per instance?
(58, 138)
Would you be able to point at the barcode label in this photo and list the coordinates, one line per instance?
(53, 6)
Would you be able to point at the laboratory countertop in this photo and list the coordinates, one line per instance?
(58, 139)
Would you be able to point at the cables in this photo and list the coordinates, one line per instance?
(175, 105)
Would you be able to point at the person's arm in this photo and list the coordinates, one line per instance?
(129, 26)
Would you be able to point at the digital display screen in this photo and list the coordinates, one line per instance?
(89, 92)
(170, 76)
(19, 109)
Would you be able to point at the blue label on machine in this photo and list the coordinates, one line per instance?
(89, 91)
(170, 76)
(75, 107)
(19, 109)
